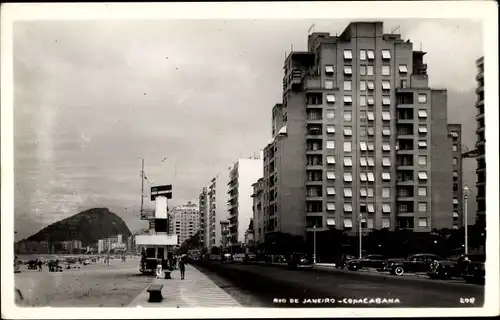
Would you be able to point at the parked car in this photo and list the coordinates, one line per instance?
(227, 258)
(369, 261)
(453, 267)
(341, 263)
(474, 272)
(414, 263)
(300, 260)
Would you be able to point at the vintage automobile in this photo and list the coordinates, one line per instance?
(419, 262)
(32, 264)
(369, 261)
(475, 271)
(341, 263)
(454, 267)
(300, 260)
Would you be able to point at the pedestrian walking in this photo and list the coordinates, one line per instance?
(40, 265)
(159, 268)
(182, 266)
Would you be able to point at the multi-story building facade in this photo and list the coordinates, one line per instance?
(184, 221)
(359, 137)
(455, 134)
(203, 207)
(217, 208)
(258, 211)
(480, 144)
(225, 235)
(240, 204)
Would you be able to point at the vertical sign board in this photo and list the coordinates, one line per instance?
(161, 207)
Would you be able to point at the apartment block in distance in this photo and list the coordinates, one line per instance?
(480, 144)
(359, 135)
(243, 175)
(203, 206)
(184, 222)
(455, 135)
(217, 208)
(258, 211)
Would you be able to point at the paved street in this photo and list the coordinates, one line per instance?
(270, 282)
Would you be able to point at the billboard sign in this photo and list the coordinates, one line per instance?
(165, 191)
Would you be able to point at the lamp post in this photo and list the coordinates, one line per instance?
(466, 196)
(314, 244)
(360, 237)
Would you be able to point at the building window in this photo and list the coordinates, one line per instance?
(370, 116)
(362, 192)
(330, 206)
(347, 115)
(329, 69)
(370, 145)
(455, 201)
(362, 70)
(386, 192)
(386, 176)
(422, 222)
(371, 177)
(370, 100)
(347, 54)
(386, 71)
(386, 131)
(386, 146)
(362, 101)
(347, 146)
(347, 99)
(422, 191)
(422, 206)
(369, 70)
(348, 70)
(455, 161)
(362, 146)
(369, 224)
(362, 116)
(386, 208)
(422, 98)
(348, 162)
(330, 129)
(330, 159)
(371, 85)
(422, 113)
(422, 175)
(370, 54)
(330, 114)
(386, 101)
(330, 175)
(455, 148)
(422, 129)
(347, 85)
(347, 131)
(386, 116)
(362, 176)
(362, 85)
(403, 68)
(371, 162)
(386, 85)
(348, 177)
(370, 131)
(362, 54)
(348, 192)
(386, 54)
(386, 223)
(422, 160)
(362, 161)
(386, 161)
(371, 207)
(454, 134)
(455, 214)
(330, 98)
(329, 84)
(330, 144)
(422, 144)
(330, 191)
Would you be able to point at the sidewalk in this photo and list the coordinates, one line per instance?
(196, 290)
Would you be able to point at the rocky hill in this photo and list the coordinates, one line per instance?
(87, 226)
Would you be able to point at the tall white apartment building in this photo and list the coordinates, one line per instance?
(217, 198)
(184, 221)
(203, 206)
(240, 202)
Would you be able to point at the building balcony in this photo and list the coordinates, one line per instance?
(314, 121)
(480, 103)
(314, 166)
(314, 182)
(400, 120)
(480, 89)
(312, 83)
(405, 182)
(405, 198)
(405, 214)
(314, 198)
(405, 151)
(480, 116)
(480, 130)
(404, 135)
(313, 151)
(405, 167)
(314, 136)
(480, 76)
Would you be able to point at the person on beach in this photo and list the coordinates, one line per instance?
(40, 265)
(182, 266)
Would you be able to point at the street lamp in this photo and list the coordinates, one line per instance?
(360, 236)
(314, 244)
(466, 196)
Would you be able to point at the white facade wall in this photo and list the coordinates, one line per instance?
(185, 222)
(217, 207)
(249, 171)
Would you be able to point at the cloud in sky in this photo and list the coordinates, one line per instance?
(93, 97)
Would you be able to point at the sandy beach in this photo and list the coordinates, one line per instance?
(95, 285)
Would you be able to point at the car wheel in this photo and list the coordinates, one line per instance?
(399, 271)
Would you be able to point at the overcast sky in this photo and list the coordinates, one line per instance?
(92, 98)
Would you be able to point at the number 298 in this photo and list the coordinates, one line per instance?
(467, 300)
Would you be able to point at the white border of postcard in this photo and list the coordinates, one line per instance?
(485, 11)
